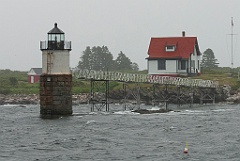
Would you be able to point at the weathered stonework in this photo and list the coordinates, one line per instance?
(56, 94)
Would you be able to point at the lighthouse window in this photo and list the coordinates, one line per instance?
(56, 37)
(62, 37)
(48, 79)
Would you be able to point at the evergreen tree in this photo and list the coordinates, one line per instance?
(135, 66)
(123, 62)
(86, 61)
(103, 59)
(108, 62)
(97, 58)
(100, 58)
(208, 59)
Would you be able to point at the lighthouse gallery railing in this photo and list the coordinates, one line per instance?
(54, 45)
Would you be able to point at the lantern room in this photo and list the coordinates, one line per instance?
(56, 34)
(56, 40)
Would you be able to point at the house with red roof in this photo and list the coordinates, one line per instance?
(34, 75)
(174, 56)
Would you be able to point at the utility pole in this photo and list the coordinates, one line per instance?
(232, 34)
(232, 42)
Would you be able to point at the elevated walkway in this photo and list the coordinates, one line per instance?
(142, 78)
(161, 90)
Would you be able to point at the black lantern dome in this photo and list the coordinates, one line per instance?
(56, 38)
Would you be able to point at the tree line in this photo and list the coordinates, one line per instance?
(100, 58)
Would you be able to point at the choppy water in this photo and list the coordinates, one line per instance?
(212, 133)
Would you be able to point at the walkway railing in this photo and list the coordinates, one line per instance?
(142, 78)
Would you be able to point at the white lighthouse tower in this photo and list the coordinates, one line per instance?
(56, 78)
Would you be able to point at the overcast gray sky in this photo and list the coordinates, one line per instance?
(121, 25)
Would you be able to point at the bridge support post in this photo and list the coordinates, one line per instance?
(178, 96)
(153, 95)
(191, 97)
(107, 95)
(166, 96)
(92, 94)
(97, 100)
(124, 97)
(201, 97)
(132, 92)
(207, 95)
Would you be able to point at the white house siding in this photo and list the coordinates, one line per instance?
(196, 58)
(171, 67)
(199, 58)
(57, 62)
(153, 67)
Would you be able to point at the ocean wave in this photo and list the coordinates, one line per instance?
(125, 113)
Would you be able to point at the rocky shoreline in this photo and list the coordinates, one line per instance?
(233, 98)
(35, 99)
(19, 99)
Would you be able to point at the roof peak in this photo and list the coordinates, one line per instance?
(176, 37)
(55, 30)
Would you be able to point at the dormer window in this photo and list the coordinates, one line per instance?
(170, 48)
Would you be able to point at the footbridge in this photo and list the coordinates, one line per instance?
(158, 89)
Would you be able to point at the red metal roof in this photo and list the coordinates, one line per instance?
(184, 47)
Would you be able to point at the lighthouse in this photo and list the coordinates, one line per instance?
(56, 78)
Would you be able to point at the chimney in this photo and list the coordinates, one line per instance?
(183, 33)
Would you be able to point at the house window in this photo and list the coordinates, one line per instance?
(161, 64)
(170, 48)
(182, 64)
(193, 63)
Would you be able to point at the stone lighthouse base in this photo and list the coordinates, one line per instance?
(55, 94)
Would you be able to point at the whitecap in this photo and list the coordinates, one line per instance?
(222, 110)
(10, 105)
(90, 121)
(125, 113)
(154, 108)
(192, 112)
(79, 114)
(93, 113)
(195, 111)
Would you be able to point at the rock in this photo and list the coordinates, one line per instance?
(146, 111)
(226, 90)
(233, 98)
